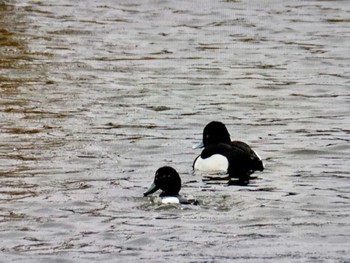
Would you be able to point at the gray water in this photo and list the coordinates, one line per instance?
(96, 95)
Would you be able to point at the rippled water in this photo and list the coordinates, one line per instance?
(96, 95)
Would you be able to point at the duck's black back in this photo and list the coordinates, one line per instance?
(243, 161)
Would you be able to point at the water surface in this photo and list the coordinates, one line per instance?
(96, 95)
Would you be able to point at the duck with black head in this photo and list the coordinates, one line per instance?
(168, 180)
(220, 154)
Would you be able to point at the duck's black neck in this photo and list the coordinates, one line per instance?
(163, 194)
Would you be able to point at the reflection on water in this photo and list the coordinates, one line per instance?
(95, 96)
(12, 52)
(24, 135)
(14, 63)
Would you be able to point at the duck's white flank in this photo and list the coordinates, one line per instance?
(170, 200)
(216, 162)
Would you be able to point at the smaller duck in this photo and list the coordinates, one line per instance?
(220, 154)
(168, 180)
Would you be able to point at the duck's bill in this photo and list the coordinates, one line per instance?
(198, 145)
(153, 188)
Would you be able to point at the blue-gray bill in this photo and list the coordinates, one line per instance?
(153, 188)
(198, 145)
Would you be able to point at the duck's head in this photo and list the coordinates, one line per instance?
(166, 179)
(214, 132)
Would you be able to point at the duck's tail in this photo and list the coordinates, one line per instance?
(258, 164)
